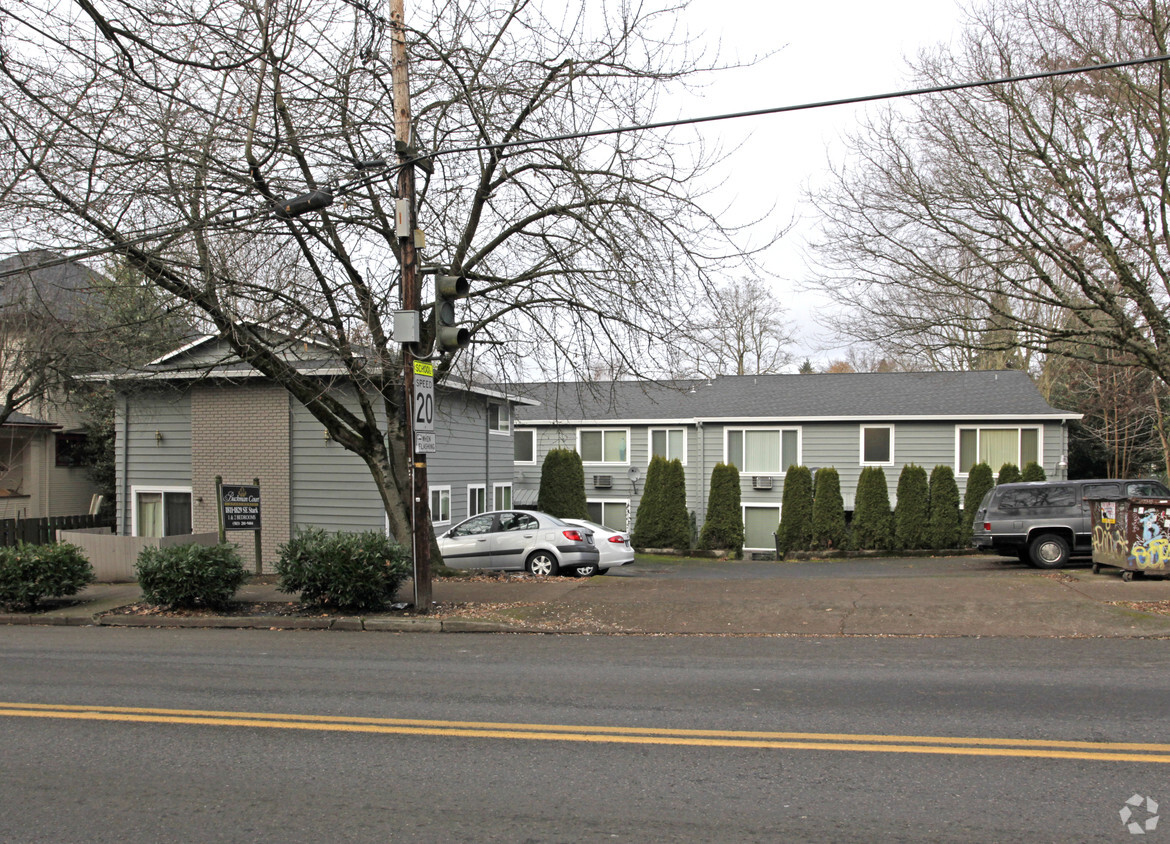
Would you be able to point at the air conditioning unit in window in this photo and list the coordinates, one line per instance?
(760, 482)
(602, 481)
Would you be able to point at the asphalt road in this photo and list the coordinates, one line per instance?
(549, 739)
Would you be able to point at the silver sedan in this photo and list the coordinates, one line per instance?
(519, 540)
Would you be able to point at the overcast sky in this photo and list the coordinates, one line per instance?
(827, 50)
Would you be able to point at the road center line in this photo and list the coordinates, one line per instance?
(866, 743)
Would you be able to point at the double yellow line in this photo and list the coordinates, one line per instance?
(858, 743)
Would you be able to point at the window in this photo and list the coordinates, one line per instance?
(440, 505)
(759, 527)
(475, 527)
(996, 446)
(476, 500)
(162, 512)
(499, 418)
(598, 446)
(70, 449)
(763, 451)
(518, 521)
(877, 445)
(524, 446)
(502, 496)
(670, 443)
(612, 514)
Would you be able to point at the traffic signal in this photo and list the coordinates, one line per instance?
(448, 336)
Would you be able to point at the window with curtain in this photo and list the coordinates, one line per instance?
(669, 443)
(612, 514)
(996, 446)
(440, 505)
(603, 446)
(476, 500)
(162, 512)
(766, 451)
(503, 497)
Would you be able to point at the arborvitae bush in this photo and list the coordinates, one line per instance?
(676, 521)
(190, 576)
(873, 525)
(29, 573)
(562, 485)
(348, 571)
(828, 511)
(662, 520)
(945, 518)
(912, 510)
(1033, 471)
(979, 481)
(1009, 473)
(795, 531)
(724, 525)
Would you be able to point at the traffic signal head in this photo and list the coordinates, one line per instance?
(448, 336)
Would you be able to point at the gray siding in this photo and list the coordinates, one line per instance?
(152, 445)
(822, 444)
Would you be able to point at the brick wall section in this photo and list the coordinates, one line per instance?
(242, 433)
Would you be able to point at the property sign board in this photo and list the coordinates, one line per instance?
(241, 507)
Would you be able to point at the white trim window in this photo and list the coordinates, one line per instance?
(502, 496)
(524, 446)
(499, 418)
(161, 511)
(996, 445)
(613, 513)
(476, 500)
(759, 527)
(604, 446)
(440, 505)
(670, 443)
(877, 445)
(762, 451)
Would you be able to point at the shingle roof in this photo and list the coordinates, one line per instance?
(63, 289)
(876, 395)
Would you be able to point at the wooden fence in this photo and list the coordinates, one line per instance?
(44, 531)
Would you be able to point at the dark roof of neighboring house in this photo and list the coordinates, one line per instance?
(23, 420)
(63, 288)
(861, 396)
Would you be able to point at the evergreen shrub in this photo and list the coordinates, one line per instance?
(1033, 471)
(346, 571)
(979, 481)
(795, 530)
(945, 518)
(562, 485)
(1009, 473)
(873, 526)
(662, 520)
(912, 509)
(29, 573)
(724, 525)
(828, 510)
(190, 576)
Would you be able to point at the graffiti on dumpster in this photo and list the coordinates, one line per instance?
(1109, 545)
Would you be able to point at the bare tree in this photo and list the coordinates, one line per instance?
(745, 332)
(1027, 218)
(168, 133)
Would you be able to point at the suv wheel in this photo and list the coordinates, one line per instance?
(1049, 551)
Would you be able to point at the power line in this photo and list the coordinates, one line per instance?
(353, 185)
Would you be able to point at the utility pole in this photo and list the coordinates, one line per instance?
(411, 301)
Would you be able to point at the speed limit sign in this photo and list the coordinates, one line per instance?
(423, 399)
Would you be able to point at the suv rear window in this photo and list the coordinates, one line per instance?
(1041, 496)
(1145, 489)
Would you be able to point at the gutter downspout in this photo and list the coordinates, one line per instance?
(125, 504)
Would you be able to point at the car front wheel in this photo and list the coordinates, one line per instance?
(586, 570)
(1049, 551)
(542, 564)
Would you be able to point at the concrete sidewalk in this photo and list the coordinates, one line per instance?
(983, 598)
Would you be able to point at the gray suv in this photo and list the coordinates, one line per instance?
(1046, 522)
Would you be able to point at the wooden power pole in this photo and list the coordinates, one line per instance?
(411, 301)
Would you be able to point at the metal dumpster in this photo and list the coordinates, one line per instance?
(1131, 534)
